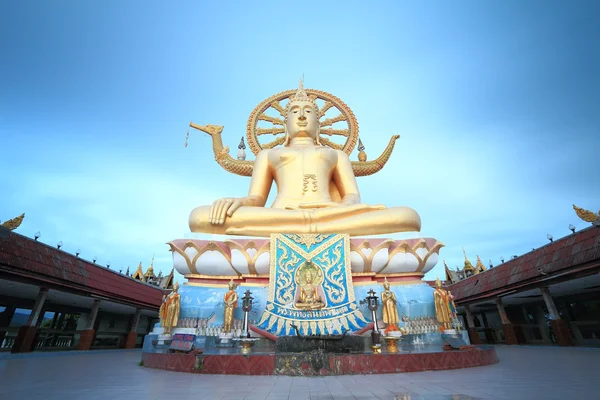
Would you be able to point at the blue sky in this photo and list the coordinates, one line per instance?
(497, 103)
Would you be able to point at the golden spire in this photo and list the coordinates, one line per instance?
(468, 265)
(362, 156)
(14, 223)
(448, 274)
(479, 267)
(138, 274)
(150, 272)
(300, 93)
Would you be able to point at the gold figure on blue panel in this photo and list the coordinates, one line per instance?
(309, 293)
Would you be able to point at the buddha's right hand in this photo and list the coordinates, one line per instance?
(223, 208)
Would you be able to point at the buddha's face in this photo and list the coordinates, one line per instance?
(309, 278)
(302, 120)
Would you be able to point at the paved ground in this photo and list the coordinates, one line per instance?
(523, 373)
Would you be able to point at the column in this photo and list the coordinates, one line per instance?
(473, 334)
(25, 340)
(510, 336)
(559, 325)
(132, 335)
(5, 318)
(86, 337)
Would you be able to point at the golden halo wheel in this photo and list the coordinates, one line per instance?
(339, 128)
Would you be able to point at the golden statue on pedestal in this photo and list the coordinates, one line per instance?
(317, 190)
(389, 309)
(309, 278)
(441, 300)
(231, 303)
(169, 310)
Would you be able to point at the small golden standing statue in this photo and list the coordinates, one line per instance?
(169, 310)
(441, 300)
(231, 303)
(390, 311)
(309, 278)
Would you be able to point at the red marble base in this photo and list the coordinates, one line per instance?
(311, 364)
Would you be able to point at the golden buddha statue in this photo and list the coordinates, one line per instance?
(309, 278)
(389, 310)
(317, 190)
(231, 303)
(169, 310)
(441, 300)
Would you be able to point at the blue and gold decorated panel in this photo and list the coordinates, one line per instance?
(310, 286)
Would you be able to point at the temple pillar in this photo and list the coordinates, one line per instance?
(473, 334)
(25, 340)
(5, 318)
(86, 337)
(510, 336)
(559, 326)
(132, 335)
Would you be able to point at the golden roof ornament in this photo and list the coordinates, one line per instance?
(587, 215)
(14, 223)
(479, 267)
(468, 265)
(139, 273)
(150, 271)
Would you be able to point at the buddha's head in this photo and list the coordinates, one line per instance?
(308, 277)
(231, 284)
(301, 117)
(175, 286)
(386, 284)
(438, 283)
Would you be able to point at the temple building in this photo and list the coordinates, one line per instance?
(550, 295)
(51, 299)
(467, 270)
(163, 282)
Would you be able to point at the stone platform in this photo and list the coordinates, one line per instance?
(322, 364)
(326, 344)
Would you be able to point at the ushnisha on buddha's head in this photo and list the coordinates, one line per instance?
(301, 117)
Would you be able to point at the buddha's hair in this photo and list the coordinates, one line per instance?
(301, 96)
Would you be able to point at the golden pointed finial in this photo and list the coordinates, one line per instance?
(14, 223)
(362, 156)
(139, 273)
(301, 94)
(479, 267)
(468, 265)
